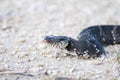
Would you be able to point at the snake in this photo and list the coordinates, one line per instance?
(90, 42)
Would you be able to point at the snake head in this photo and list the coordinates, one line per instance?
(57, 41)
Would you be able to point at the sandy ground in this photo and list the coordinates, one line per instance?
(24, 24)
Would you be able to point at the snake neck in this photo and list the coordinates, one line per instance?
(72, 45)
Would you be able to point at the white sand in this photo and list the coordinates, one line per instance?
(24, 24)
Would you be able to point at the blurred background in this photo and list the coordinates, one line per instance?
(24, 24)
(58, 16)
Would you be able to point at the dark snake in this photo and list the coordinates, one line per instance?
(90, 40)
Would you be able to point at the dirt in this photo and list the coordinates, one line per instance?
(25, 23)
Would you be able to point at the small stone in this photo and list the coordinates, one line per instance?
(48, 72)
(62, 78)
(40, 65)
(6, 27)
(22, 40)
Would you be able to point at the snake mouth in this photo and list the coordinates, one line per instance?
(46, 41)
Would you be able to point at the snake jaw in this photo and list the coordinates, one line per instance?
(57, 41)
(60, 44)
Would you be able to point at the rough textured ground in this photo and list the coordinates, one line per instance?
(24, 24)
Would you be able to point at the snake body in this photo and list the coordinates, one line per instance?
(90, 41)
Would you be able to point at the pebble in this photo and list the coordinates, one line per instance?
(22, 40)
(62, 78)
(40, 66)
(59, 17)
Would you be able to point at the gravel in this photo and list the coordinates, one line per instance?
(25, 23)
